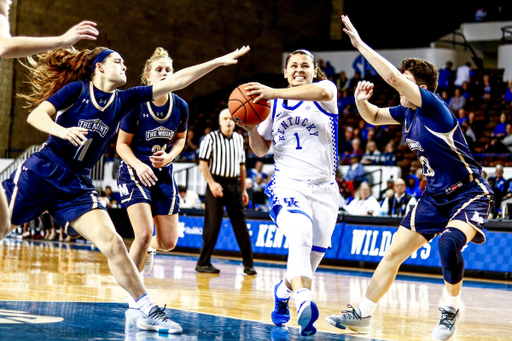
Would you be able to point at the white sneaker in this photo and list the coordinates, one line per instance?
(150, 260)
(350, 319)
(447, 325)
(157, 321)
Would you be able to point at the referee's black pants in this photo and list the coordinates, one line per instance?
(214, 211)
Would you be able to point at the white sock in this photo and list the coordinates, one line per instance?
(367, 307)
(302, 295)
(145, 304)
(283, 291)
(452, 301)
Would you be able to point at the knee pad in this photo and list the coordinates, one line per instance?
(297, 228)
(450, 244)
(316, 258)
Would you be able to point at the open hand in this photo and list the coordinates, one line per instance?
(146, 175)
(231, 58)
(351, 31)
(364, 91)
(84, 30)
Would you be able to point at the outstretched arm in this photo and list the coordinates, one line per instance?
(307, 92)
(383, 67)
(17, 47)
(185, 77)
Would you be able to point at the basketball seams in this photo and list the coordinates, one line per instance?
(253, 111)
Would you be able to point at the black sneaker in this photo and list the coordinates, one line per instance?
(207, 269)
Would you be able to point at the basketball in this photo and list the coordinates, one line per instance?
(244, 110)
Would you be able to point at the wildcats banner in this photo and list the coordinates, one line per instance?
(354, 243)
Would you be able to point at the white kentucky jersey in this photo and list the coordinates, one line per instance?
(305, 137)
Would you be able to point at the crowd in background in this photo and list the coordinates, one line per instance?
(465, 91)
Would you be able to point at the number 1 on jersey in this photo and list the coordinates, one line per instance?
(298, 141)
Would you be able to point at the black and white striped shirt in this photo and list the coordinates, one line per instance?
(225, 155)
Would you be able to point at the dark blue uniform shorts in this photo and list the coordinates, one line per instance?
(163, 197)
(470, 203)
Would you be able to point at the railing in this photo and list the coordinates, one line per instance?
(504, 31)
(477, 60)
(373, 183)
(18, 161)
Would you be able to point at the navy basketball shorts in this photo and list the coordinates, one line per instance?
(471, 204)
(41, 184)
(163, 197)
(319, 201)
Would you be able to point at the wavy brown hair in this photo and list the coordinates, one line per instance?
(424, 72)
(159, 53)
(50, 71)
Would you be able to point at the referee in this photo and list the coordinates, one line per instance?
(222, 162)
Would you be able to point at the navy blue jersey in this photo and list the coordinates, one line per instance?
(80, 104)
(154, 128)
(433, 132)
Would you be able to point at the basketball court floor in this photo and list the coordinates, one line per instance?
(64, 291)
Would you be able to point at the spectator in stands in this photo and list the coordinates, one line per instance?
(356, 147)
(457, 102)
(188, 198)
(346, 147)
(422, 178)
(249, 183)
(206, 131)
(354, 80)
(191, 145)
(256, 170)
(500, 185)
(501, 128)
(364, 203)
(481, 14)
(363, 129)
(342, 81)
(501, 146)
(413, 186)
(486, 88)
(445, 97)
(507, 97)
(461, 116)
(390, 184)
(259, 198)
(356, 172)
(346, 101)
(371, 155)
(464, 74)
(329, 70)
(345, 191)
(466, 92)
(446, 78)
(388, 158)
(469, 135)
(400, 203)
(474, 126)
(107, 199)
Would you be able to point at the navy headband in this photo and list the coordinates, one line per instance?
(101, 57)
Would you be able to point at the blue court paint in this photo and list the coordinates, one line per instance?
(113, 321)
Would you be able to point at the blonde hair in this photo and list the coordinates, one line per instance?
(159, 53)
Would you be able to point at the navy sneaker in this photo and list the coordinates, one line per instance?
(281, 313)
